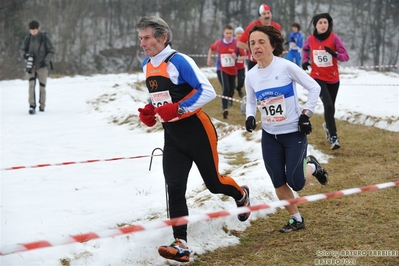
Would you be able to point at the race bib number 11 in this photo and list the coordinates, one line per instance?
(226, 60)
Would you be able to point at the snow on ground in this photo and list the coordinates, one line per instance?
(96, 117)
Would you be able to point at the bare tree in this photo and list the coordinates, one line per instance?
(98, 36)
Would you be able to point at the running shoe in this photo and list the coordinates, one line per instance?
(293, 225)
(178, 251)
(244, 202)
(328, 137)
(320, 173)
(335, 143)
(225, 113)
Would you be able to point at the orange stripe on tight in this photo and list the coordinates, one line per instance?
(210, 132)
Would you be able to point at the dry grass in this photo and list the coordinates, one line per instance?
(365, 221)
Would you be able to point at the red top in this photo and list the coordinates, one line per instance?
(241, 64)
(226, 63)
(324, 65)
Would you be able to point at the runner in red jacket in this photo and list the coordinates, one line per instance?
(324, 49)
(265, 18)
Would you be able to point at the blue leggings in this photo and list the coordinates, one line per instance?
(284, 156)
(294, 56)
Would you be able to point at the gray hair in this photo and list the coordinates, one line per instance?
(158, 25)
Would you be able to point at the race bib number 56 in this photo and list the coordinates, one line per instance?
(322, 58)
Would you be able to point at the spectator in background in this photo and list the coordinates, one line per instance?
(38, 50)
(324, 49)
(178, 90)
(240, 64)
(295, 42)
(226, 69)
(265, 18)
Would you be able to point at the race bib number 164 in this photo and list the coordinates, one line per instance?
(273, 110)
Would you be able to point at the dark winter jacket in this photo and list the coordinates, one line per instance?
(41, 48)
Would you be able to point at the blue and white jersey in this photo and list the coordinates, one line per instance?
(298, 44)
(181, 69)
(272, 90)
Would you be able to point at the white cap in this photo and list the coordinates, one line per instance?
(238, 29)
(264, 7)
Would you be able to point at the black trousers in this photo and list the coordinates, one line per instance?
(228, 83)
(240, 80)
(189, 140)
(328, 95)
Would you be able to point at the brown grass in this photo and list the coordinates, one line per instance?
(366, 221)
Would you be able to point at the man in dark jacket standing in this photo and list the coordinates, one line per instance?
(37, 50)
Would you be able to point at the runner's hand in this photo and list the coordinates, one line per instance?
(167, 111)
(147, 115)
(304, 124)
(250, 124)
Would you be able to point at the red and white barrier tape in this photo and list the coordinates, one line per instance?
(185, 219)
(228, 98)
(143, 156)
(361, 67)
(376, 85)
(106, 160)
(97, 160)
(78, 162)
(376, 66)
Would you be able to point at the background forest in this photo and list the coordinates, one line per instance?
(99, 36)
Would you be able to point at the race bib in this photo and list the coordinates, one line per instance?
(293, 46)
(160, 98)
(322, 58)
(226, 60)
(273, 110)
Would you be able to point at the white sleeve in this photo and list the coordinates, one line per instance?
(308, 83)
(251, 97)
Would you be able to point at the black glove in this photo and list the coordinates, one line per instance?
(305, 65)
(250, 124)
(43, 64)
(293, 39)
(304, 124)
(330, 51)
